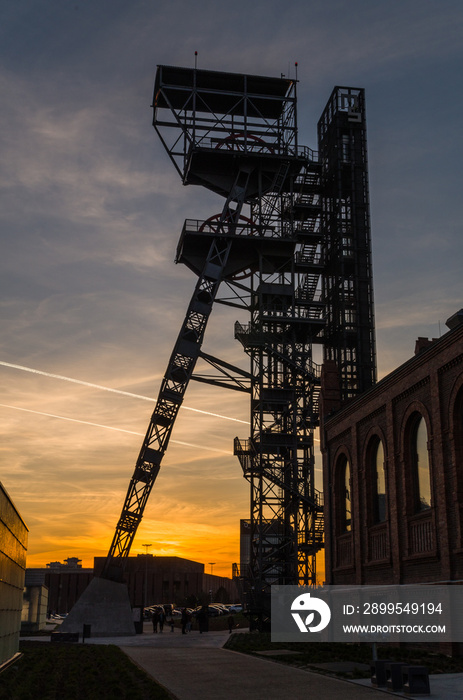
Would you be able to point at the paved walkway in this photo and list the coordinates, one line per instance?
(218, 674)
(196, 667)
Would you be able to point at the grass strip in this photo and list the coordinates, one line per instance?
(76, 672)
(308, 655)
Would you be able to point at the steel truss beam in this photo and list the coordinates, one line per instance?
(232, 377)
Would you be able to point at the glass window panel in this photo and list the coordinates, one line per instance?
(380, 483)
(347, 499)
(422, 466)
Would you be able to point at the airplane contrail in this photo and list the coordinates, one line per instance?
(108, 427)
(114, 391)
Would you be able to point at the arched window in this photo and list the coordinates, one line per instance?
(379, 482)
(345, 507)
(457, 429)
(420, 463)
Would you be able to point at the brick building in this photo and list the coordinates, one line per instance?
(393, 470)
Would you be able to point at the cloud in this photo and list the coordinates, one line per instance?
(67, 163)
(92, 210)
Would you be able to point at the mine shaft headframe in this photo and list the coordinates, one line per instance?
(205, 118)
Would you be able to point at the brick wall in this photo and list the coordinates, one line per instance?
(409, 546)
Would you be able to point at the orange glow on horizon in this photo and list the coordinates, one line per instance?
(69, 478)
(224, 552)
(224, 555)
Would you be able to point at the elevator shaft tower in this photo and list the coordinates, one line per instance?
(349, 337)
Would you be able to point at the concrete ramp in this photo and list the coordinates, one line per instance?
(104, 605)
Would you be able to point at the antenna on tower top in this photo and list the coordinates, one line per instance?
(196, 59)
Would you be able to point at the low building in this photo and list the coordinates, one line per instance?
(150, 580)
(13, 548)
(155, 579)
(65, 583)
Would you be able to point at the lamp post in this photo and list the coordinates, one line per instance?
(211, 564)
(145, 585)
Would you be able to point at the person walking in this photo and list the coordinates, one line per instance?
(231, 623)
(184, 620)
(155, 621)
(162, 617)
(203, 621)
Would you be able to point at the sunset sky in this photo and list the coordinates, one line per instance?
(91, 213)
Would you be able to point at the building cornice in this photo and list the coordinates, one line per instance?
(406, 369)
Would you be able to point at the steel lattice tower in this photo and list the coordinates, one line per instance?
(349, 337)
(271, 251)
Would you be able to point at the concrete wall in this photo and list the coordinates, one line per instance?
(64, 586)
(13, 546)
(35, 607)
(168, 580)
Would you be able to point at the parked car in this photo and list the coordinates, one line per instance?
(222, 607)
(237, 608)
(177, 612)
(211, 611)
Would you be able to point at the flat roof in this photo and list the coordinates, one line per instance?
(221, 91)
(8, 498)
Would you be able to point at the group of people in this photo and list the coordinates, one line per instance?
(158, 618)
